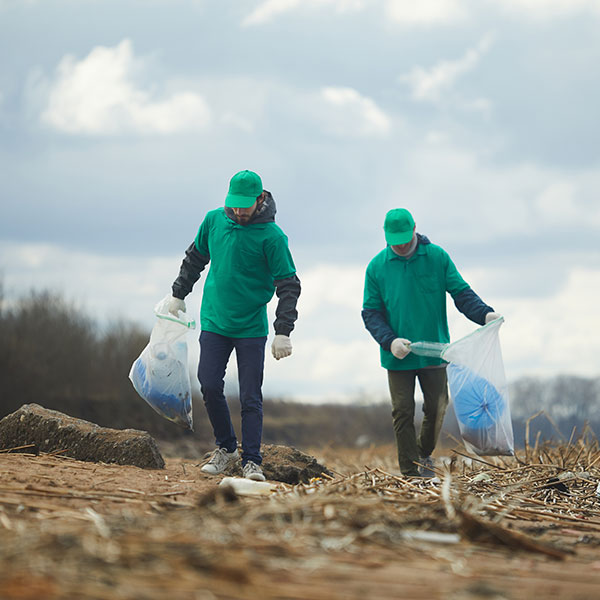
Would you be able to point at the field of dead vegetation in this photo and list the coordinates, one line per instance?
(491, 528)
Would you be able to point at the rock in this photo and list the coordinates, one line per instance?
(53, 431)
(286, 464)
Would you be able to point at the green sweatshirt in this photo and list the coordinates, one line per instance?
(245, 260)
(411, 295)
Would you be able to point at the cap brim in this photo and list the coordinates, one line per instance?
(397, 239)
(234, 201)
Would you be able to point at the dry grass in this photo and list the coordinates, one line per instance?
(484, 528)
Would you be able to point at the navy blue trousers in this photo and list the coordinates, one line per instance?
(215, 351)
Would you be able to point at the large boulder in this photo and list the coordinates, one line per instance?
(286, 464)
(52, 431)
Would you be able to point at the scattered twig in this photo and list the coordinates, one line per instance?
(478, 460)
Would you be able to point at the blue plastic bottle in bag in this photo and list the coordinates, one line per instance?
(160, 375)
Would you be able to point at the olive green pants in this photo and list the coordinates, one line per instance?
(434, 385)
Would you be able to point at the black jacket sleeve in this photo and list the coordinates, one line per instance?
(288, 291)
(378, 327)
(191, 267)
(472, 306)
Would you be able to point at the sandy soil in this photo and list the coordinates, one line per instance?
(70, 529)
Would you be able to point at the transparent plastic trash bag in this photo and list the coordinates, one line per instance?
(160, 375)
(478, 388)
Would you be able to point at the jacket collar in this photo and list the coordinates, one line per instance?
(264, 214)
(422, 241)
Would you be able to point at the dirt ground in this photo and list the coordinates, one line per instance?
(71, 529)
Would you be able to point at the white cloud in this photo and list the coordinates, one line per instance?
(482, 106)
(425, 12)
(231, 118)
(439, 12)
(239, 102)
(557, 205)
(322, 368)
(548, 9)
(346, 294)
(333, 357)
(109, 286)
(550, 335)
(270, 9)
(98, 96)
(340, 112)
(459, 194)
(420, 13)
(432, 84)
(2, 114)
(350, 114)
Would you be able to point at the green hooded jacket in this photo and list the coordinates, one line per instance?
(245, 261)
(410, 294)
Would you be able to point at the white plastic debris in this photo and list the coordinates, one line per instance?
(248, 487)
(436, 537)
(598, 491)
(98, 521)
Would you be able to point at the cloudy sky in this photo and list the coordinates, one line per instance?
(121, 122)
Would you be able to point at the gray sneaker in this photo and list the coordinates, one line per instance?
(426, 469)
(219, 461)
(253, 471)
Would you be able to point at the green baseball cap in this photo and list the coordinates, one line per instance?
(244, 188)
(398, 227)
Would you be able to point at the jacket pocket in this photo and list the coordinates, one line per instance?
(251, 259)
(428, 283)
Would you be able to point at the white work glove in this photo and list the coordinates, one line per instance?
(175, 305)
(400, 348)
(281, 346)
(492, 316)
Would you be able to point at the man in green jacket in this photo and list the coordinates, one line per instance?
(249, 262)
(404, 300)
